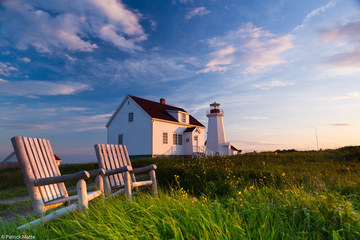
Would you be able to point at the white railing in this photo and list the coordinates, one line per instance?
(220, 111)
(202, 151)
(171, 151)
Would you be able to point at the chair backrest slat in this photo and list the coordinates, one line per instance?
(126, 160)
(112, 156)
(55, 168)
(117, 162)
(43, 168)
(32, 158)
(112, 163)
(52, 166)
(39, 156)
(107, 164)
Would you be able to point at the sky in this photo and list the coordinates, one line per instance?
(282, 70)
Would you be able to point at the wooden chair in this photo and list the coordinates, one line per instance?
(45, 183)
(119, 175)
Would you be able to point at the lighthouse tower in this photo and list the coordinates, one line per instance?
(216, 140)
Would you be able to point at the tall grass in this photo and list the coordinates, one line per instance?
(266, 213)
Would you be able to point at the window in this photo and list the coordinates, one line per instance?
(183, 118)
(165, 138)
(131, 117)
(174, 139)
(179, 139)
(195, 138)
(121, 139)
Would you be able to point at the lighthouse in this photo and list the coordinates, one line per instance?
(216, 140)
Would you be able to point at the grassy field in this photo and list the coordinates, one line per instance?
(275, 195)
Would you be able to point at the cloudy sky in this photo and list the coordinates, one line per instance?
(281, 69)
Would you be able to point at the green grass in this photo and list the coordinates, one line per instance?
(278, 195)
(14, 208)
(265, 213)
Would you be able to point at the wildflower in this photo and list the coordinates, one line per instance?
(252, 187)
(239, 192)
(283, 174)
(263, 163)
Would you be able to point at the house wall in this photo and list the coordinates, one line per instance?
(159, 148)
(137, 135)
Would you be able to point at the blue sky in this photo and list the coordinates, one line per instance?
(280, 69)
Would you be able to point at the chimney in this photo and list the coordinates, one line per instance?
(162, 100)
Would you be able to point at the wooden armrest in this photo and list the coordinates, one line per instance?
(96, 172)
(117, 170)
(144, 169)
(62, 178)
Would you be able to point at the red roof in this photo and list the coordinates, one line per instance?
(158, 110)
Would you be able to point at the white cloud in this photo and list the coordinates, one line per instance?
(3, 80)
(70, 58)
(252, 48)
(109, 33)
(345, 35)
(341, 124)
(314, 13)
(25, 59)
(254, 118)
(199, 11)
(142, 68)
(7, 69)
(41, 88)
(272, 84)
(182, 1)
(262, 54)
(352, 95)
(116, 12)
(32, 24)
(345, 60)
(220, 61)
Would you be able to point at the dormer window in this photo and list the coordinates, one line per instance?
(183, 117)
(180, 116)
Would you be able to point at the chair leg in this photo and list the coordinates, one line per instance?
(100, 184)
(154, 183)
(82, 194)
(127, 181)
(107, 187)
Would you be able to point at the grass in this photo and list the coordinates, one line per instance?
(265, 213)
(277, 195)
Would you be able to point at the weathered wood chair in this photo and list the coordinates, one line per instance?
(45, 183)
(119, 175)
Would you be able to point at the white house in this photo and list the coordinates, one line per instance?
(151, 129)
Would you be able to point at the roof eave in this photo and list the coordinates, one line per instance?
(178, 123)
(117, 110)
